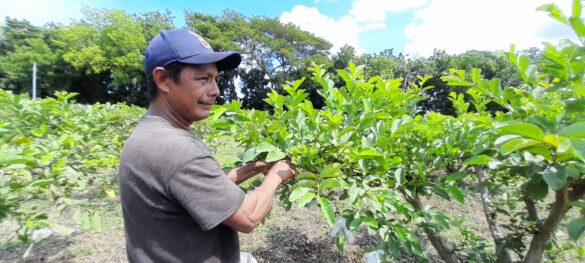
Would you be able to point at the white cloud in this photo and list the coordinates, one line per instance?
(460, 25)
(338, 32)
(377, 10)
(365, 15)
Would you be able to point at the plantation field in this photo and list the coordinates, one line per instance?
(501, 179)
(299, 235)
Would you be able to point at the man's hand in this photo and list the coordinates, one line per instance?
(263, 166)
(282, 171)
(258, 202)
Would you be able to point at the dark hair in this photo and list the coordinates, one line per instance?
(174, 70)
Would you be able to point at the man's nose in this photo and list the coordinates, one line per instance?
(214, 92)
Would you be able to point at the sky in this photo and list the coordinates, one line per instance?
(414, 27)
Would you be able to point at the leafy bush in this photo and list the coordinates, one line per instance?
(52, 149)
(371, 148)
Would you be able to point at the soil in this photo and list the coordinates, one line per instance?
(298, 235)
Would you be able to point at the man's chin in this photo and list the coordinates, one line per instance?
(201, 116)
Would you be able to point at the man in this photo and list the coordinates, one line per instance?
(178, 205)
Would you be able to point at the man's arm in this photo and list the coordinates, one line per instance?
(243, 173)
(257, 203)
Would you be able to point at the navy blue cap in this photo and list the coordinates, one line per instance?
(185, 46)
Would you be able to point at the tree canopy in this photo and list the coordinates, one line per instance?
(101, 57)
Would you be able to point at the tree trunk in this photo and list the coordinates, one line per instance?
(436, 239)
(559, 209)
(503, 254)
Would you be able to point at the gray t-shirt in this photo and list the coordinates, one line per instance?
(174, 197)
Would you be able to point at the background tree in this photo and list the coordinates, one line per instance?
(279, 52)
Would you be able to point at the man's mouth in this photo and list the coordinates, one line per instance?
(205, 103)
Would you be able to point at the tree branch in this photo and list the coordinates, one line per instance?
(503, 253)
(436, 239)
(530, 205)
(545, 231)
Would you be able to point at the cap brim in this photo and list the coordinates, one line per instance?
(223, 60)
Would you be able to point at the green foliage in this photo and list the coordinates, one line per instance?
(356, 150)
(275, 52)
(370, 149)
(51, 150)
(102, 43)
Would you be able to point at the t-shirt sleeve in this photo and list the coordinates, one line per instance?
(205, 191)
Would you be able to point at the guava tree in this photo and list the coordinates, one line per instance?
(369, 159)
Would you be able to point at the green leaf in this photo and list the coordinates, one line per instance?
(249, 155)
(441, 220)
(96, 222)
(521, 128)
(340, 242)
(297, 193)
(554, 12)
(306, 198)
(517, 144)
(332, 183)
(327, 210)
(43, 183)
(555, 177)
(575, 130)
(356, 222)
(578, 26)
(369, 153)
(304, 184)
(576, 9)
(275, 155)
(440, 192)
(217, 111)
(47, 157)
(455, 192)
(221, 126)
(579, 148)
(15, 159)
(575, 106)
(478, 160)
(537, 189)
(353, 192)
(264, 147)
(330, 172)
(370, 221)
(456, 176)
(572, 172)
(561, 144)
(502, 139)
(575, 228)
(306, 176)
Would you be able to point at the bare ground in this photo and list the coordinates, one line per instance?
(299, 235)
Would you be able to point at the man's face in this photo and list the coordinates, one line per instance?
(192, 96)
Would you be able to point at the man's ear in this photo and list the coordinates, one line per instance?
(161, 79)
